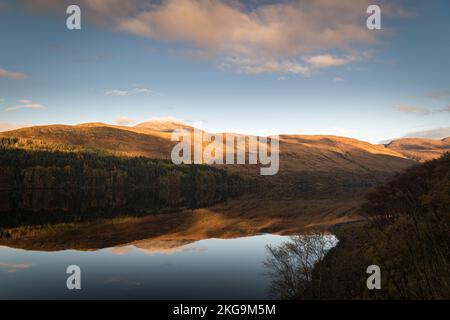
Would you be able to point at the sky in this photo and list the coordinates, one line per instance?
(257, 67)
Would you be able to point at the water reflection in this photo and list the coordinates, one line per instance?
(49, 206)
(291, 265)
(206, 269)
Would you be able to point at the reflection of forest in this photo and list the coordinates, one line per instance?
(47, 187)
(22, 207)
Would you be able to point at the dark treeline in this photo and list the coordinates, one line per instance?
(36, 186)
(407, 234)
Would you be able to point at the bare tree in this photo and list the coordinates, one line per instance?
(290, 265)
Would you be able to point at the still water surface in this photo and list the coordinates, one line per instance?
(206, 269)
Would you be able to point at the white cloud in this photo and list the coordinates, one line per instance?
(264, 29)
(126, 93)
(327, 60)
(26, 104)
(12, 75)
(256, 66)
(338, 79)
(291, 36)
(273, 37)
(306, 66)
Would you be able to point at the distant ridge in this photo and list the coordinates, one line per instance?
(164, 126)
(420, 149)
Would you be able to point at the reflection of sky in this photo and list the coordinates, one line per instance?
(213, 268)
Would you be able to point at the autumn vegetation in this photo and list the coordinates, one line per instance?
(406, 233)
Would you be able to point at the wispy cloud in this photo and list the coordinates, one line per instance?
(305, 66)
(26, 104)
(328, 60)
(125, 121)
(256, 66)
(439, 94)
(126, 93)
(407, 108)
(12, 75)
(438, 133)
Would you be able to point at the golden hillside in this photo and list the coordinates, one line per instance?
(420, 149)
(298, 153)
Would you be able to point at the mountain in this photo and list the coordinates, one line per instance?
(298, 153)
(164, 126)
(309, 165)
(420, 149)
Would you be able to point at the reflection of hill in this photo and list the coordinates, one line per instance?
(235, 218)
(167, 247)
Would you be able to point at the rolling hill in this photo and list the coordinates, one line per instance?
(420, 149)
(152, 139)
(306, 162)
(310, 166)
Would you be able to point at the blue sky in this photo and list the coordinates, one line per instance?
(147, 62)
